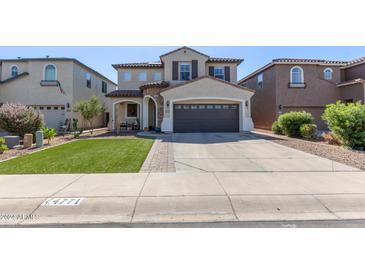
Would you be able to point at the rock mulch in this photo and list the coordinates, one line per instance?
(320, 148)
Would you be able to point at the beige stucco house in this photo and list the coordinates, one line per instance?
(186, 91)
(52, 86)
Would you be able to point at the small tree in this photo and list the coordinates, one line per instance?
(20, 119)
(3, 146)
(49, 133)
(89, 110)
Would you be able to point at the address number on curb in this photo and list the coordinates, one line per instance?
(62, 202)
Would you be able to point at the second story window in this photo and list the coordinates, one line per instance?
(104, 87)
(260, 80)
(328, 74)
(219, 72)
(142, 76)
(88, 80)
(50, 73)
(156, 76)
(296, 76)
(126, 76)
(14, 71)
(184, 71)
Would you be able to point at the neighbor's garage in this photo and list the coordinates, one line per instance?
(54, 116)
(206, 118)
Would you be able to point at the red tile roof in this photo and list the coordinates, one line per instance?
(351, 82)
(355, 62)
(125, 93)
(162, 84)
(138, 65)
(224, 60)
(295, 60)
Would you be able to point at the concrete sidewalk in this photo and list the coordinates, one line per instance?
(182, 197)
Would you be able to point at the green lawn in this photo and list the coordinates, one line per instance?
(83, 156)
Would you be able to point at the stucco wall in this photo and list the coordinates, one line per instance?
(356, 92)
(355, 72)
(134, 84)
(183, 55)
(263, 102)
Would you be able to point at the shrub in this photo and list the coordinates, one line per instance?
(290, 122)
(77, 132)
(49, 133)
(20, 119)
(3, 147)
(347, 122)
(308, 130)
(276, 128)
(331, 139)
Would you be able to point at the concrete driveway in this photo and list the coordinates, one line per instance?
(243, 152)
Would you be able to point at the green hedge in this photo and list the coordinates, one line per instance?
(347, 122)
(290, 122)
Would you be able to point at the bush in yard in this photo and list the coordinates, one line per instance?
(89, 110)
(276, 128)
(331, 139)
(77, 132)
(347, 122)
(3, 147)
(308, 130)
(290, 122)
(49, 133)
(20, 119)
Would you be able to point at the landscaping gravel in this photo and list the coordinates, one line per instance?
(320, 148)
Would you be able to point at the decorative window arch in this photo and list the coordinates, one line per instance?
(328, 74)
(14, 71)
(50, 72)
(296, 75)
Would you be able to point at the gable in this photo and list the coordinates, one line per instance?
(184, 54)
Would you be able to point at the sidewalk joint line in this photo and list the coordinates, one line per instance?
(139, 195)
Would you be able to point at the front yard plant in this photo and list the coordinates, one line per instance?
(290, 123)
(3, 146)
(49, 133)
(20, 119)
(347, 122)
(83, 156)
(308, 131)
(276, 128)
(89, 110)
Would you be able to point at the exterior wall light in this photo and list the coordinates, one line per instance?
(168, 103)
(246, 104)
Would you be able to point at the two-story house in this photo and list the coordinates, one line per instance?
(52, 86)
(186, 91)
(303, 84)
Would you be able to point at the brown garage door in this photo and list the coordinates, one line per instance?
(205, 118)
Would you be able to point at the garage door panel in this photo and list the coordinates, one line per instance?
(206, 118)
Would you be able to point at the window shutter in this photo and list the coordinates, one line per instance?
(227, 74)
(211, 71)
(194, 69)
(175, 70)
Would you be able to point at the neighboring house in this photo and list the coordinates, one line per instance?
(303, 84)
(186, 91)
(52, 86)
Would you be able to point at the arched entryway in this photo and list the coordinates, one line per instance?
(126, 114)
(149, 113)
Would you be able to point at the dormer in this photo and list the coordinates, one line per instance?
(183, 64)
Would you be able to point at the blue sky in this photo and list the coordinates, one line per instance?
(101, 58)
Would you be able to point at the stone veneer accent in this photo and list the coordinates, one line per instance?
(155, 93)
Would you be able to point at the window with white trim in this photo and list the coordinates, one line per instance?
(127, 76)
(50, 73)
(88, 80)
(328, 74)
(142, 76)
(219, 72)
(185, 71)
(14, 71)
(296, 75)
(260, 80)
(156, 76)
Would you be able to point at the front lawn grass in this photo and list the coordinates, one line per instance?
(83, 156)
